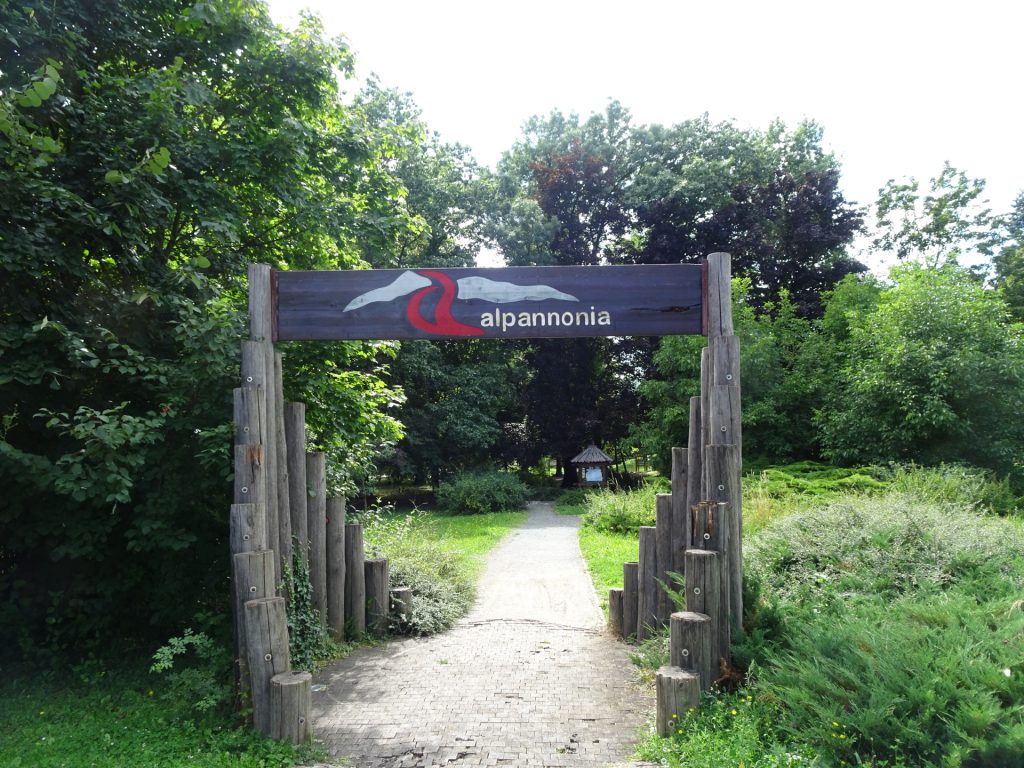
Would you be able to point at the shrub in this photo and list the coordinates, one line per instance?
(892, 632)
(618, 512)
(473, 493)
(441, 581)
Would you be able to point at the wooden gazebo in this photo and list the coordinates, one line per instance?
(593, 467)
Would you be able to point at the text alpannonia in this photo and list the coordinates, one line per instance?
(506, 320)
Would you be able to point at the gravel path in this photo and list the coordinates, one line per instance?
(528, 678)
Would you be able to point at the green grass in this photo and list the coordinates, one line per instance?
(107, 718)
(472, 535)
(120, 719)
(605, 553)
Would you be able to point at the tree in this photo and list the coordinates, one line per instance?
(457, 394)
(944, 224)
(934, 372)
(769, 198)
(148, 151)
(1008, 262)
(559, 200)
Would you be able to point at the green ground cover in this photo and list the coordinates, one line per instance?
(884, 626)
(115, 714)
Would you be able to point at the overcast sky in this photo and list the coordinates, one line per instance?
(899, 86)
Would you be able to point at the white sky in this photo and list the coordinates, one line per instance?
(898, 86)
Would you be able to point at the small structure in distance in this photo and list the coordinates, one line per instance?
(593, 467)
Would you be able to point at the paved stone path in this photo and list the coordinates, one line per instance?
(529, 678)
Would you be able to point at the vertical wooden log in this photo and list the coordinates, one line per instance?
(250, 416)
(295, 440)
(725, 415)
(630, 598)
(710, 527)
(251, 479)
(316, 522)
(266, 632)
(647, 615)
(705, 411)
(355, 582)
(691, 646)
(615, 611)
(663, 518)
(704, 595)
(253, 577)
(724, 468)
(254, 369)
(260, 310)
(725, 355)
(680, 516)
(719, 295)
(291, 702)
(695, 457)
(677, 692)
(378, 590)
(336, 567)
(246, 529)
(270, 447)
(284, 521)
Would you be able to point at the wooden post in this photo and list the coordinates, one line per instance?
(704, 595)
(295, 440)
(251, 479)
(284, 521)
(291, 705)
(355, 582)
(680, 464)
(724, 415)
(266, 632)
(709, 526)
(630, 598)
(378, 590)
(253, 577)
(677, 693)
(316, 522)
(647, 615)
(615, 611)
(260, 308)
(336, 567)
(724, 467)
(691, 645)
(246, 530)
(719, 295)
(705, 410)
(695, 457)
(663, 517)
(270, 446)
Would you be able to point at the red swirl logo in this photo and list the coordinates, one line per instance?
(443, 324)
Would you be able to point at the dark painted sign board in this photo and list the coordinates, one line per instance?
(506, 303)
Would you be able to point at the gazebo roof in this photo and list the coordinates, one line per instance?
(592, 455)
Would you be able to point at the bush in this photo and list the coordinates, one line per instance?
(442, 582)
(892, 632)
(472, 493)
(618, 512)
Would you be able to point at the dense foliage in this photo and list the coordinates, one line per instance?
(148, 151)
(473, 493)
(876, 632)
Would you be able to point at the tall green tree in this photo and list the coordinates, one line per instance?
(948, 222)
(770, 198)
(934, 372)
(148, 151)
